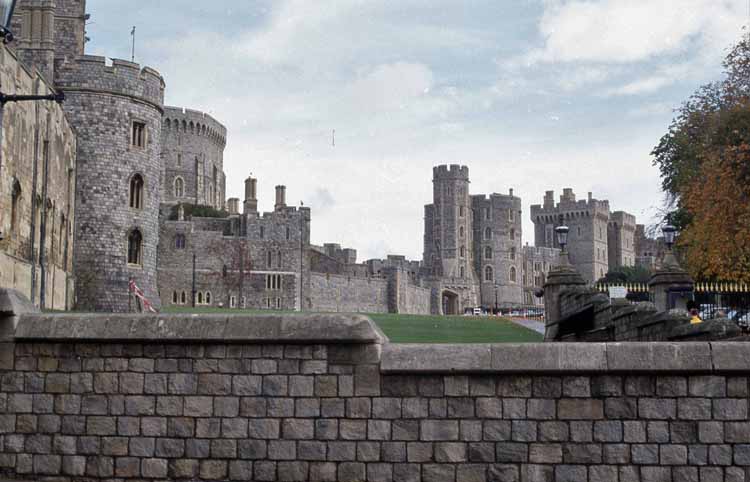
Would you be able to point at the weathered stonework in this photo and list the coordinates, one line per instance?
(38, 185)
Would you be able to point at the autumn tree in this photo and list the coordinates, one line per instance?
(704, 162)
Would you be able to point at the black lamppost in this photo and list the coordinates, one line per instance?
(562, 240)
(670, 232)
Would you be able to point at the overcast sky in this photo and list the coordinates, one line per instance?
(533, 95)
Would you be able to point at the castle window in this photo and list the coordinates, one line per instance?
(269, 259)
(461, 212)
(462, 272)
(462, 251)
(179, 241)
(288, 234)
(488, 233)
(487, 214)
(135, 248)
(174, 297)
(513, 254)
(179, 160)
(278, 303)
(15, 196)
(268, 303)
(487, 252)
(262, 232)
(579, 231)
(512, 234)
(232, 302)
(138, 135)
(200, 298)
(273, 282)
(208, 297)
(183, 298)
(461, 232)
(278, 259)
(512, 274)
(179, 187)
(136, 191)
(488, 275)
(510, 215)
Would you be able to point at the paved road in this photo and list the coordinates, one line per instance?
(536, 325)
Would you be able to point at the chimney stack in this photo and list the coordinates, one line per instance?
(251, 200)
(511, 192)
(280, 198)
(549, 199)
(233, 204)
(591, 196)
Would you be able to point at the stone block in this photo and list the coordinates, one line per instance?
(439, 430)
(393, 451)
(580, 409)
(570, 473)
(481, 452)
(408, 430)
(419, 452)
(545, 453)
(450, 452)
(353, 429)
(657, 408)
(537, 473)
(341, 451)
(730, 409)
(252, 449)
(511, 452)
(582, 453)
(298, 429)
(644, 454)
(438, 473)
(608, 431)
(322, 472)
(378, 429)
(351, 472)
(436, 358)
(650, 357)
(549, 358)
(709, 386)
(386, 408)
(368, 451)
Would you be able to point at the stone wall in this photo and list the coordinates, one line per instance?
(326, 398)
(338, 293)
(37, 182)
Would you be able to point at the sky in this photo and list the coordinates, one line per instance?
(532, 95)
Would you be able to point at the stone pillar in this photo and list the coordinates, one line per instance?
(559, 279)
(671, 287)
(12, 305)
(280, 198)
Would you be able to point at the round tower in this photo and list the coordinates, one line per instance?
(116, 111)
(193, 152)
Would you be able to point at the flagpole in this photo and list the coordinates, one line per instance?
(132, 34)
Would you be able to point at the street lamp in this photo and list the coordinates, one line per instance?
(562, 240)
(6, 14)
(669, 234)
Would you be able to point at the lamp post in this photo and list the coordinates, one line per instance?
(562, 240)
(670, 232)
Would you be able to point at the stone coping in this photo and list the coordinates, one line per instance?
(299, 328)
(567, 358)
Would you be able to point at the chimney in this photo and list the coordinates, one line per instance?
(234, 205)
(591, 196)
(549, 200)
(280, 198)
(511, 192)
(568, 195)
(251, 200)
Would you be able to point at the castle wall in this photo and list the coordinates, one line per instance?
(347, 294)
(621, 239)
(406, 297)
(193, 151)
(37, 182)
(327, 398)
(102, 103)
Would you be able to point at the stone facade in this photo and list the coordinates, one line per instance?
(116, 111)
(193, 158)
(37, 182)
(648, 251)
(590, 222)
(330, 400)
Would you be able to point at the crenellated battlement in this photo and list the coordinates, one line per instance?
(92, 73)
(196, 122)
(453, 172)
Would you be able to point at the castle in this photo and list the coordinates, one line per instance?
(149, 206)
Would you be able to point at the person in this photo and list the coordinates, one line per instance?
(692, 307)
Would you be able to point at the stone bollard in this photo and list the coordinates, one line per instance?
(12, 305)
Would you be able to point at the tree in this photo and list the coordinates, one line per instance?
(703, 160)
(627, 274)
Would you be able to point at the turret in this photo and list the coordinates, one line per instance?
(233, 204)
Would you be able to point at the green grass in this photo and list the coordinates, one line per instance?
(424, 329)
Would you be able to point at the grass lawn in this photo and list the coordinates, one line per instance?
(425, 329)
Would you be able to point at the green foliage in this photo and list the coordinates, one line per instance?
(627, 274)
(197, 211)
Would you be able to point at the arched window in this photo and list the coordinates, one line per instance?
(278, 259)
(179, 241)
(174, 293)
(487, 233)
(136, 191)
(462, 251)
(487, 252)
(200, 298)
(488, 275)
(15, 196)
(135, 248)
(269, 259)
(179, 187)
(462, 272)
(183, 298)
(512, 234)
(208, 297)
(461, 232)
(512, 274)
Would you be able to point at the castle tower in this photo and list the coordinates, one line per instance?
(280, 198)
(251, 196)
(193, 154)
(448, 240)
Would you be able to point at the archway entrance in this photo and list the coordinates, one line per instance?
(450, 303)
